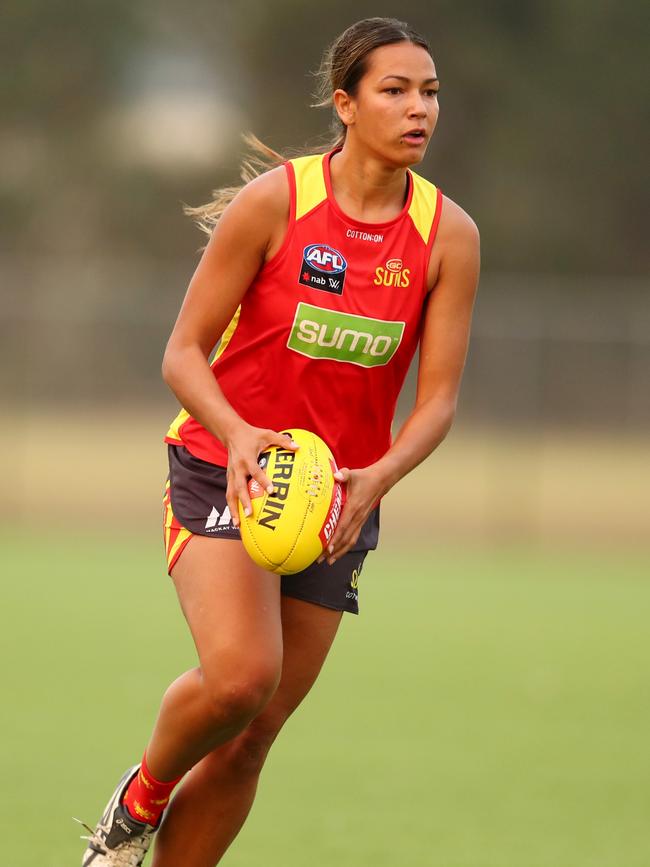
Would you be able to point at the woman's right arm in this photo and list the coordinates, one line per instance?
(248, 234)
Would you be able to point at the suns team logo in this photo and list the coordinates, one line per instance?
(393, 274)
(323, 268)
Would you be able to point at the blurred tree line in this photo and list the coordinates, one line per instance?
(541, 134)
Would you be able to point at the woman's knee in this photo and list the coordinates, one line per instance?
(237, 694)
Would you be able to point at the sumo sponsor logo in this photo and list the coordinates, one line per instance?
(393, 273)
(323, 268)
(338, 336)
(281, 477)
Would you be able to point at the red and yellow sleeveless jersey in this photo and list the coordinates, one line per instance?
(324, 335)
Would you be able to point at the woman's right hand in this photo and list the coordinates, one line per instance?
(244, 446)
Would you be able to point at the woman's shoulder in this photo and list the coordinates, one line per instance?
(268, 191)
(456, 224)
(259, 211)
(457, 241)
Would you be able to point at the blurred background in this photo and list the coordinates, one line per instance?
(113, 116)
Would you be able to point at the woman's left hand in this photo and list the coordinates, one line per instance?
(364, 488)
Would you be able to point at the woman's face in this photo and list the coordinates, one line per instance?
(395, 109)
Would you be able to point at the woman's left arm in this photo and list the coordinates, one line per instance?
(453, 276)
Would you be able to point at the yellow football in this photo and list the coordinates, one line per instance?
(292, 526)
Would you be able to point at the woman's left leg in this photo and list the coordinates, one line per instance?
(216, 796)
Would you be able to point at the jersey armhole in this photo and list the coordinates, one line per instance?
(432, 238)
(277, 257)
(435, 223)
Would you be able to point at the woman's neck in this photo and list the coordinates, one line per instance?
(366, 188)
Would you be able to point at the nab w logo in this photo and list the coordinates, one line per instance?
(323, 268)
(216, 519)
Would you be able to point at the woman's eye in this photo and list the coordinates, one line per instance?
(394, 90)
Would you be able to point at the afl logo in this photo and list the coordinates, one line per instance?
(323, 268)
(325, 259)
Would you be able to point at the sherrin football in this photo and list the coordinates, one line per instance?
(292, 526)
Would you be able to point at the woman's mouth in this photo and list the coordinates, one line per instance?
(415, 136)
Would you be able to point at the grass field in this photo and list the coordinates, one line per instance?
(490, 708)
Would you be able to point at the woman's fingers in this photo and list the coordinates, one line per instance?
(343, 475)
(346, 535)
(231, 500)
(243, 465)
(361, 494)
(237, 490)
(344, 544)
(243, 496)
(257, 473)
(270, 438)
(282, 440)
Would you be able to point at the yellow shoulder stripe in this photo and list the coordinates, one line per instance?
(174, 428)
(310, 183)
(423, 205)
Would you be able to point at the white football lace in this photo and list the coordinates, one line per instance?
(129, 854)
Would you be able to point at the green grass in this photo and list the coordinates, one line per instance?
(490, 708)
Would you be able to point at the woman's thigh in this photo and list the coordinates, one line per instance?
(308, 632)
(231, 605)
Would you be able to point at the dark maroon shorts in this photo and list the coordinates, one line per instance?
(196, 504)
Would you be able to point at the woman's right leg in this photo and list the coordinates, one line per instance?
(216, 796)
(233, 611)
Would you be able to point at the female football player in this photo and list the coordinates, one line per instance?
(321, 277)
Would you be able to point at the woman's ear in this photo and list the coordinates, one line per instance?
(345, 107)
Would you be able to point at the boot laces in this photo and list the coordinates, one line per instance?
(128, 854)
